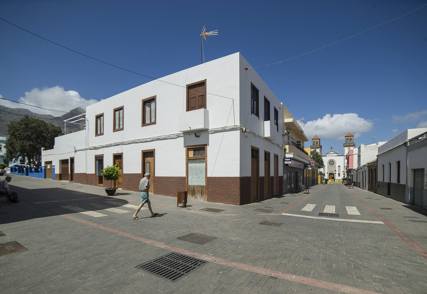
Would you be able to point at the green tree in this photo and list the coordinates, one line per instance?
(317, 158)
(27, 136)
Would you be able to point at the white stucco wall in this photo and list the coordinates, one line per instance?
(254, 135)
(228, 87)
(66, 146)
(368, 153)
(392, 156)
(417, 159)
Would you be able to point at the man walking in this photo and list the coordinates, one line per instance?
(144, 186)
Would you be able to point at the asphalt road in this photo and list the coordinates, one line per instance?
(333, 240)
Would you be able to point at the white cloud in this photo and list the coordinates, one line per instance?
(56, 100)
(410, 117)
(335, 126)
(422, 124)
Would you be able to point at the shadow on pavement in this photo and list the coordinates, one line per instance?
(38, 203)
(417, 209)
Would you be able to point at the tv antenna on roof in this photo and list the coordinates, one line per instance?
(203, 37)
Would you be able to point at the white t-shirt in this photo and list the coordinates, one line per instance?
(144, 184)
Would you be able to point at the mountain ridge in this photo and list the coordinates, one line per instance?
(8, 114)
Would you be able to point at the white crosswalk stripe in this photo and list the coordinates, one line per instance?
(352, 210)
(130, 206)
(117, 210)
(85, 212)
(329, 209)
(308, 207)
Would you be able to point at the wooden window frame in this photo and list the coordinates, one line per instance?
(256, 110)
(122, 108)
(206, 97)
(266, 101)
(96, 124)
(145, 100)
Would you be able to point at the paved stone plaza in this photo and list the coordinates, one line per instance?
(77, 240)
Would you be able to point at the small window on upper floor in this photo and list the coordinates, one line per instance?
(99, 125)
(276, 118)
(254, 100)
(266, 109)
(118, 119)
(196, 96)
(149, 111)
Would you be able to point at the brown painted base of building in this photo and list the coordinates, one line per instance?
(229, 190)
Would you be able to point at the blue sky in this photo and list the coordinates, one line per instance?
(380, 75)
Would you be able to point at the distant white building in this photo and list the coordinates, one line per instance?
(214, 130)
(366, 157)
(395, 173)
(2, 150)
(334, 165)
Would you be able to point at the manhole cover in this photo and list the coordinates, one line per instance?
(212, 209)
(385, 208)
(171, 266)
(265, 210)
(328, 214)
(197, 238)
(2, 234)
(11, 247)
(273, 224)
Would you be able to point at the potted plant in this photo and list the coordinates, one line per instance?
(111, 173)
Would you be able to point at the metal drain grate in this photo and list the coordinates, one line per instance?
(265, 210)
(273, 224)
(171, 266)
(197, 238)
(385, 208)
(2, 234)
(328, 214)
(11, 247)
(212, 209)
(417, 221)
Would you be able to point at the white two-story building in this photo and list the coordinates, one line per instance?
(214, 130)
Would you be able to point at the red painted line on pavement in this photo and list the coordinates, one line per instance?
(412, 244)
(227, 263)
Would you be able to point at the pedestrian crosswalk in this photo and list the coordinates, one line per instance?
(100, 210)
(329, 209)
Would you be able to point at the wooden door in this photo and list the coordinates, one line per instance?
(148, 166)
(196, 96)
(276, 175)
(254, 174)
(48, 169)
(267, 185)
(99, 166)
(64, 169)
(72, 169)
(196, 172)
(118, 160)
